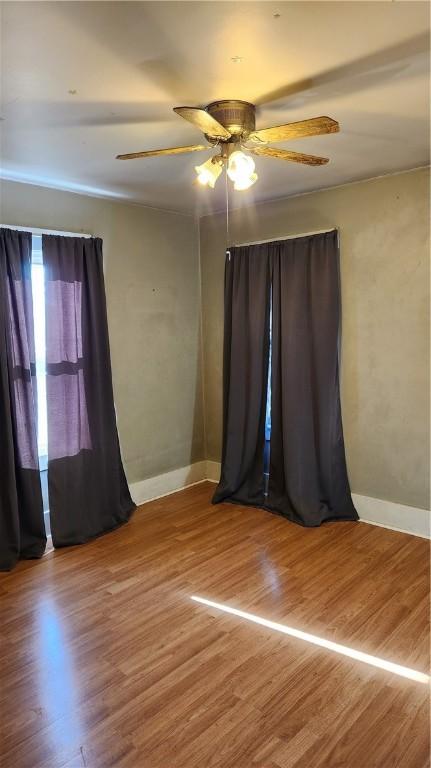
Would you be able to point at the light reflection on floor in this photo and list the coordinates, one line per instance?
(344, 650)
(57, 677)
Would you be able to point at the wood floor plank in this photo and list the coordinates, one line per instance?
(110, 664)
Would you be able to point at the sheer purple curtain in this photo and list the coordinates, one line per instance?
(22, 530)
(88, 492)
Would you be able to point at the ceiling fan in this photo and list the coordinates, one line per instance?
(230, 125)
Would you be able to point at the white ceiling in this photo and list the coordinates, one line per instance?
(130, 63)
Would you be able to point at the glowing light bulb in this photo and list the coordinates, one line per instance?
(246, 183)
(241, 170)
(208, 172)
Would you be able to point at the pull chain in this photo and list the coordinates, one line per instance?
(227, 216)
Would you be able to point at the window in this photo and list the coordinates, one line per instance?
(38, 292)
(267, 448)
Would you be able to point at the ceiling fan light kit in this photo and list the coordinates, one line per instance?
(209, 171)
(240, 170)
(230, 126)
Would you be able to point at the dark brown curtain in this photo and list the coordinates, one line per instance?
(307, 476)
(307, 471)
(22, 530)
(245, 373)
(88, 492)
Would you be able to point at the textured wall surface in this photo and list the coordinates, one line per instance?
(384, 232)
(152, 284)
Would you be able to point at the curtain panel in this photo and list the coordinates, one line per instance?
(88, 492)
(308, 480)
(245, 374)
(22, 529)
(307, 474)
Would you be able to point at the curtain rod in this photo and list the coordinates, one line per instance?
(287, 237)
(38, 231)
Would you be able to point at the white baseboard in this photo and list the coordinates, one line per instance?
(397, 517)
(169, 482)
(213, 471)
(388, 514)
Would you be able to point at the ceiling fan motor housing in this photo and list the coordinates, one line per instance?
(238, 117)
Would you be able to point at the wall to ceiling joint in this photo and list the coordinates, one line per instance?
(151, 262)
(384, 233)
(164, 282)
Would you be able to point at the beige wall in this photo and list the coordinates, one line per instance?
(152, 285)
(384, 229)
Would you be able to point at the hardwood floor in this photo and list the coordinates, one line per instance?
(106, 660)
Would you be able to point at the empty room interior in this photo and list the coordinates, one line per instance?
(214, 384)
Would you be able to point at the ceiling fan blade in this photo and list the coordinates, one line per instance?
(313, 127)
(81, 114)
(368, 71)
(156, 152)
(285, 154)
(172, 76)
(203, 120)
